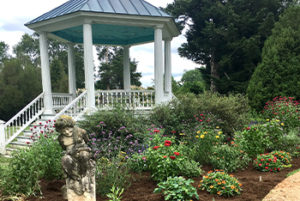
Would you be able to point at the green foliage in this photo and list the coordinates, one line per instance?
(111, 173)
(291, 142)
(177, 188)
(115, 194)
(284, 157)
(3, 51)
(222, 33)
(228, 158)
(28, 166)
(285, 109)
(260, 138)
(267, 163)
(277, 74)
(167, 159)
(111, 69)
(293, 172)
(221, 183)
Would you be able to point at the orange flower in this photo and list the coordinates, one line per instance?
(219, 193)
(223, 182)
(240, 184)
(216, 180)
(205, 177)
(232, 187)
(211, 186)
(209, 172)
(219, 183)
(223, 187)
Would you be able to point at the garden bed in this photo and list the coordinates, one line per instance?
(142, 186)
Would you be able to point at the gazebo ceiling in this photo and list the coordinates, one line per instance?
(114, 22)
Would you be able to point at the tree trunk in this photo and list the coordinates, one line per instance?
(213, 73)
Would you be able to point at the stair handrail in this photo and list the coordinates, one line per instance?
(24, 118)
(73, 106)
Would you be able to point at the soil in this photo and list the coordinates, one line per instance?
(142, 186)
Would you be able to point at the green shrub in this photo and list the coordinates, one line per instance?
(291, 142)
(28, 166)
(220, 183)
(267, 163)
(285, 109)
(109, 173)
(177, 189)
(228, 158)
(168, 159)
(260, 138)
(284, 157)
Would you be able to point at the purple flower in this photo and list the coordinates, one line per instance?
(101, 122)
(94, 139)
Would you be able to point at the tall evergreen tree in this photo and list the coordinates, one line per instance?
(226, 36)
(3, 51)
(111, 69)
(279, 72)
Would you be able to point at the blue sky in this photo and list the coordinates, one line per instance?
(15, 13)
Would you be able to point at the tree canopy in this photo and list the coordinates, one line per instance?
(226, 37)
(279, 72)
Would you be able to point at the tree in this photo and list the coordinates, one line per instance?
(111, 69)
(279, 72)
(3, 51)
(226, 37)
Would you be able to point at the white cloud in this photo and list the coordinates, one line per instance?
(15, 13)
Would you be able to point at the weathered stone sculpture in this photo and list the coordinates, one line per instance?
(78, 165)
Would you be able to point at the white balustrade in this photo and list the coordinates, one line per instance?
(60, 100)
(75, 108)
(133, 99)
(23, 119)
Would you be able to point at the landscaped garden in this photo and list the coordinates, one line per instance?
(202, 147)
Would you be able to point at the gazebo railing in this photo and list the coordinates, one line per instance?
(61, 100)
(133, 99)
(76, 108)
(23, 119)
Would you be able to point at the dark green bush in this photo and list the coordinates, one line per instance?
(28, 166)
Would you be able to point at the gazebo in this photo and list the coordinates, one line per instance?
(106, 22)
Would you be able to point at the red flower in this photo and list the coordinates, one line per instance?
(45, 136)
(165, 156)
(168, 143)
(267, 167)
(177, 153)
(144, 158)
(262, 159)
(278, 169)
(172, 157)
(248, 128)
(156, 131)
(156, 147)
(173, 132)
(27, 142)
(260, 164)
(270, 159)
(267, 163)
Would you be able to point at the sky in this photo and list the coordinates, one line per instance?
(15, 13)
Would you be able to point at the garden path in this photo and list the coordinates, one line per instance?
(287, 190)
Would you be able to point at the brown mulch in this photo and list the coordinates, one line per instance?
(142, 186)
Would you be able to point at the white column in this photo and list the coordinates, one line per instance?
(88, 65)
(168, 69)
(71, 70)
(126, 69)
(46, 79)
(158, 65)
(2, 138)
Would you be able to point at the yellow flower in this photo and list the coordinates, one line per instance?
(217, 127)
(205, 132)
(211, 186)
(277, 120)
(201, 136)
(198, 132)
(232, 187)
(181, 134)
(197, 136)
(268, 119)
(217, 136)
(220, 132)
(282, 124)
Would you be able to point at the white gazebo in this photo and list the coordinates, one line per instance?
(106, 22)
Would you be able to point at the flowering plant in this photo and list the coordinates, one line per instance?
(177, 188)
(267, 163)
(220, 183)
(284, 157)
(286, 109)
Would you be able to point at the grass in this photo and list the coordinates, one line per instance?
(293, 172)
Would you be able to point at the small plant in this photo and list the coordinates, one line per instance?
(229, 158)
(177, 189)
(220, 183)
(284, 157)
(115, 194)
(267, 163)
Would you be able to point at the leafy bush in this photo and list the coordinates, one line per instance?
(267, 163)
(202, 143)
(291, 142)
(220, 183)
(28, 166)
(285, 109)
(260, 138)
(228, 158)
(115, 194)
(168, 159)
(177, 188)
(109, 173)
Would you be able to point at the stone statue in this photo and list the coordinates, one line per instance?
(77, 162)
